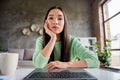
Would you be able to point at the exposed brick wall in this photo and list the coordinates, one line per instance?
(107, 24)
(98, 21)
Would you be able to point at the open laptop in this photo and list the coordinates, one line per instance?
(59, 74)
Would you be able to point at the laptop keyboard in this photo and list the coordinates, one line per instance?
(63, 74)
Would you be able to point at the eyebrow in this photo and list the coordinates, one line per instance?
(50, 15)
(53, 15)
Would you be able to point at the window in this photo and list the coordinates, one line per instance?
(111, 24)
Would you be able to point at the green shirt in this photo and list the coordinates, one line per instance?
(78, 51)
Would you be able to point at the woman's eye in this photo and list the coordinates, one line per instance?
(59, 18)
(51, 18)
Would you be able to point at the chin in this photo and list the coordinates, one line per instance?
(56, 32)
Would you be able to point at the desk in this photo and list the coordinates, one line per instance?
(98, 73)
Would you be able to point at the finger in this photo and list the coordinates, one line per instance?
(45, 25)
(46, 22)
(50, 64)
(52, 67)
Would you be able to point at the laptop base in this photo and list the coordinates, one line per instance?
(59, 74)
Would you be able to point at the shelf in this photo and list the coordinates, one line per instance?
(88, 42)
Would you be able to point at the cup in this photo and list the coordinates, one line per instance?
(0, 62)
(8, 63)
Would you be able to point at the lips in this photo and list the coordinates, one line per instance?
(55, 27)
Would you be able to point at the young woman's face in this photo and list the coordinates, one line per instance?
(56, 21)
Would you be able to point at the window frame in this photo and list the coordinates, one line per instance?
(108, 19)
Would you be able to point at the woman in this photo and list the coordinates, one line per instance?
(58, 50)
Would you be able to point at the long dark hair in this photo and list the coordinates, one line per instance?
(65, 48)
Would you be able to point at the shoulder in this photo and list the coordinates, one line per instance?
(40, 39)
(73, 39)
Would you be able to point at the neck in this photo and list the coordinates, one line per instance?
(58, 37)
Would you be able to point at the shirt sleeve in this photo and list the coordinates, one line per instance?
(85, 54)
(38, 59)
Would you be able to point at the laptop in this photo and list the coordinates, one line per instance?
(59, 74)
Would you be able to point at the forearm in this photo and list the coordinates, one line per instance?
(39, 60)
(77, 64)
(47, 50)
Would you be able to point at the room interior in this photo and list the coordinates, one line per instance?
(21, 23)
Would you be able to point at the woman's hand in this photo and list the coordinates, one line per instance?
(56, 65)
(75, 64)
(48, 31)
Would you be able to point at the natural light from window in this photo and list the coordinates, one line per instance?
(113, 22)
(113, 8)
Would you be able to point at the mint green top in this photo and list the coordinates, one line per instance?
(78, 51)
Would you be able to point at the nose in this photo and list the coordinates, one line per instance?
(55, 22)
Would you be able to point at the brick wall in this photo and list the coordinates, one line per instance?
(98, 21)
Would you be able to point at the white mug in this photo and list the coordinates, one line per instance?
(0, 62)
(8, 63)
